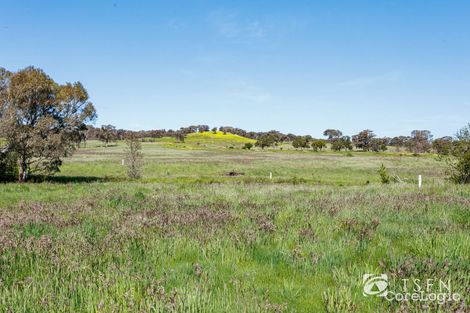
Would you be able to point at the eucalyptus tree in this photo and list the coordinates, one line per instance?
(41, 121)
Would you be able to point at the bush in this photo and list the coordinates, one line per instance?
(458, 158)
(134, 157)
(318, 144)
(459, 163)
(248, 146)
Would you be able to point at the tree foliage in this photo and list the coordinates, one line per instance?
(332, 134)
(266, 140)
(378, 144)
(248, 146)
(420, 141)
(458, 158)
(301, 142)
(363, 140)
(442, 145)
(8, 166)
(107, 134)
(343, 143)
(384, 175)
(180, 136)
(41, 120)
(318, 144)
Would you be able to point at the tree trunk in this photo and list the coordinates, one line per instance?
(23, 171)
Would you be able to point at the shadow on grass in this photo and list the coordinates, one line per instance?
(73, 179)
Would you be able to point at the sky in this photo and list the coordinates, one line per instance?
(295, 66)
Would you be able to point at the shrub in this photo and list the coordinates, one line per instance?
(248, 146)
(459, 163)
(458, 158)
(318, 144)
(134, 157)
(384, 175)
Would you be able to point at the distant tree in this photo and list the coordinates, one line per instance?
(91, 132)
(134, 157)
(399, 142)
(180, 136)
(248, 146)
(363, 139)
(301, 142)
(332, 134)
(266, 140)
(276, 135)
(40, 120)
(318, 144)
(378, 144)
(442, 145)
(343, 143)
(214, 130)
(463, 134)
(288, 137)
(203, 128)
(107, 134)
(121, 134)
(190, 129)
(252, 135)
(420, 141)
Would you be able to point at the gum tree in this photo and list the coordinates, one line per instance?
(363, 139)
(458, 157)
(41, 120)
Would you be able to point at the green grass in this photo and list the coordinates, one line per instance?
(188, 237)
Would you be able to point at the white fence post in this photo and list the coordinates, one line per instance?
(420, 182)
(122, 162)
(270, 175)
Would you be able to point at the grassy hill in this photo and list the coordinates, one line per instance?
(219, 137)
(204, 140)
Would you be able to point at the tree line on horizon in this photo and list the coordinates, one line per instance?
(419, 141)
(41, 122)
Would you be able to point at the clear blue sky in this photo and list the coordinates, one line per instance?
(296, 66)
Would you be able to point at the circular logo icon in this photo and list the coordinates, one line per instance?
(375, 285)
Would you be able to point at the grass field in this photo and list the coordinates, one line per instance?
(207, 230)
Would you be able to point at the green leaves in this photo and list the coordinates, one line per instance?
(41, 120)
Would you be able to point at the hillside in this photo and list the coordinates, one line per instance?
(219, 137)
(204, 140)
